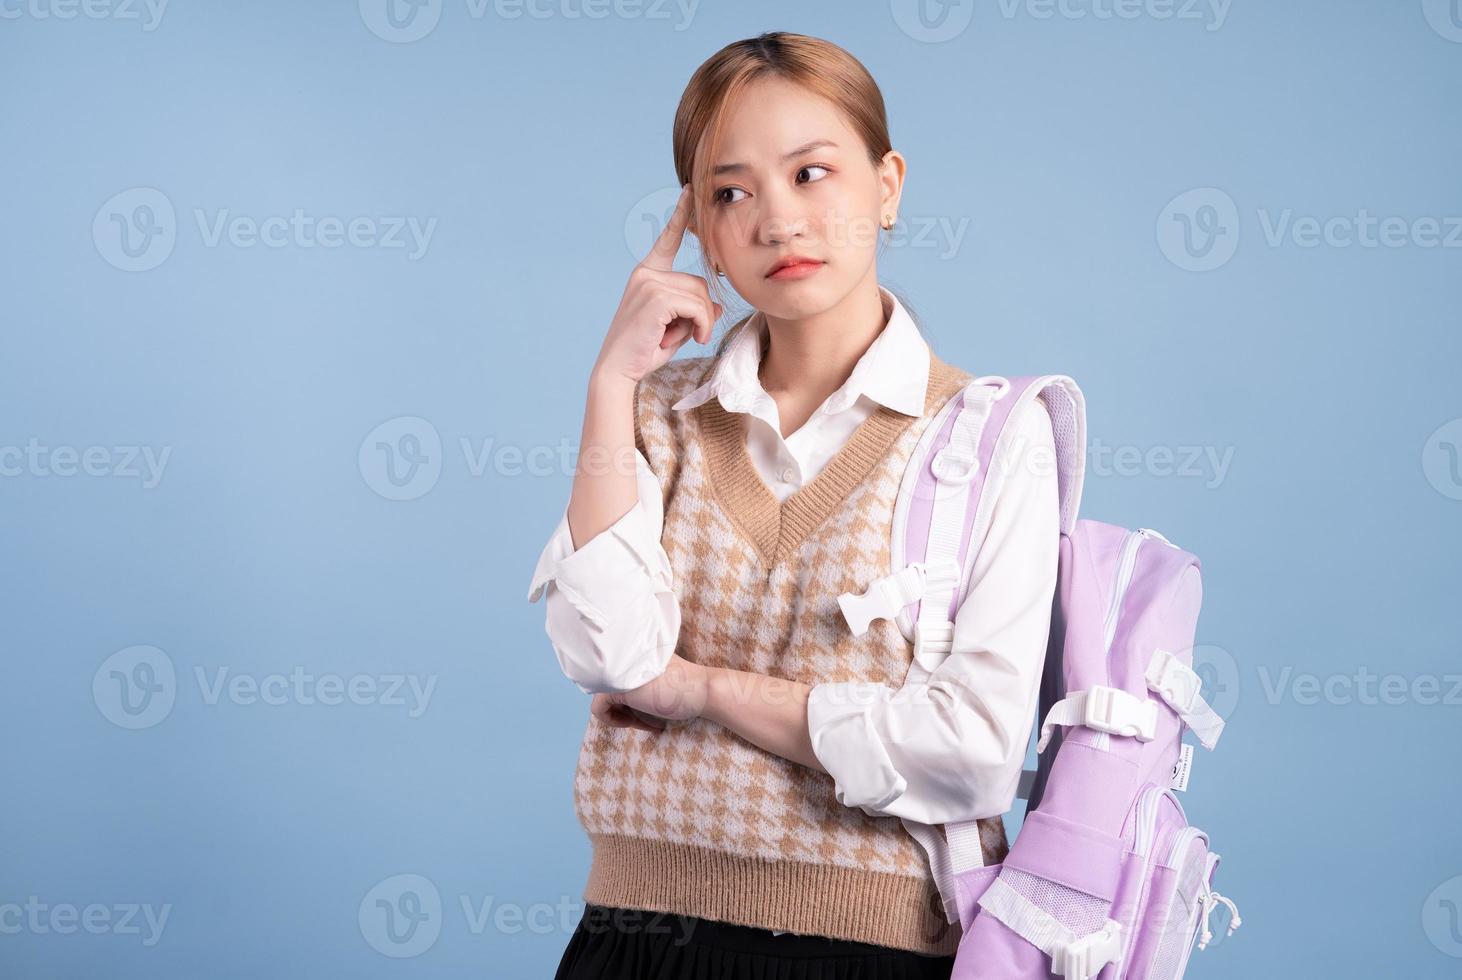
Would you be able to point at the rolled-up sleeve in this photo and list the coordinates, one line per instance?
(949, 745)
(611, 615)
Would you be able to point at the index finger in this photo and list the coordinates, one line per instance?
(662, 253)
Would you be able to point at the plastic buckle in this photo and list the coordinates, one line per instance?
(1084, 958)
(1113, 710)
(881, 600)
(1178, 685)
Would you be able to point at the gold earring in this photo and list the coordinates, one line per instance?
(887, 221)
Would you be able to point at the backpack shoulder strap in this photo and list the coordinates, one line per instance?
(944, 502)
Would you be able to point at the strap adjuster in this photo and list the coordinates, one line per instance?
(1114, 711)
(1104, 709)
(1084, 958)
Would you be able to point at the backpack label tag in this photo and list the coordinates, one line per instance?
(1183, 768)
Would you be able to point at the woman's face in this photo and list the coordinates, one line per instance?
(791, 178)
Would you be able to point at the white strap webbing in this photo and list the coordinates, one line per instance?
(953, 849)
(1104, 709)
(931, 838)
(965, 849)
(1179, 685)
(1073, 957)
(954, 466)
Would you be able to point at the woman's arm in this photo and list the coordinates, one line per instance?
(950, 745)
(612, 615)
(946, 746)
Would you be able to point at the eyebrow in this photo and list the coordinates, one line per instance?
(726, 168)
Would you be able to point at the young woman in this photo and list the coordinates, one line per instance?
(750, 766)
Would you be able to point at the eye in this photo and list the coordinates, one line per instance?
(721, 200)
(814, 166)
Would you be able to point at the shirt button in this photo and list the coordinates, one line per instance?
(787, 475)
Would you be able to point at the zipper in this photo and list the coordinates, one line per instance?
(1143, 844)
(1125, 562)
(1146, 819)
(1181, 839)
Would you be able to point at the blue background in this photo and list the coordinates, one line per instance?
(538, 145)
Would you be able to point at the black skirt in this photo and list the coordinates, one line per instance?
(630, 944)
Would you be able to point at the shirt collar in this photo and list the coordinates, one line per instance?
(893, 371)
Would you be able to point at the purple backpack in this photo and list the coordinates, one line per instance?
(1106, 877)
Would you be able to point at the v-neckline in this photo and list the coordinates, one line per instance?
(778, 527)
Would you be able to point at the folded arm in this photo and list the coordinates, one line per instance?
(950, 745)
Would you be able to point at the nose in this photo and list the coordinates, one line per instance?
(781, 219)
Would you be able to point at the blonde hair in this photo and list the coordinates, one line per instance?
(820, 66)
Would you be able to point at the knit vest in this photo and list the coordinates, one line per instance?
(695, 820)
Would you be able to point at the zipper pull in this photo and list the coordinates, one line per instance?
(1148, 532)
(1212, 899)
(1234, 921)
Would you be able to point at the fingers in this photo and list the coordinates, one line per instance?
(677, 335)
(696, 289)
(618, 715)
(688, 306)
(662, 253)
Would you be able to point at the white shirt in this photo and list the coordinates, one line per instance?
(947, 746)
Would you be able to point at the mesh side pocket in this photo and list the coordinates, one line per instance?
(1179, 922)
(1076, 910)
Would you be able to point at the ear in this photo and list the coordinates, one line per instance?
(891, 172)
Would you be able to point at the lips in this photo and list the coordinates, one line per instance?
(793, 267)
